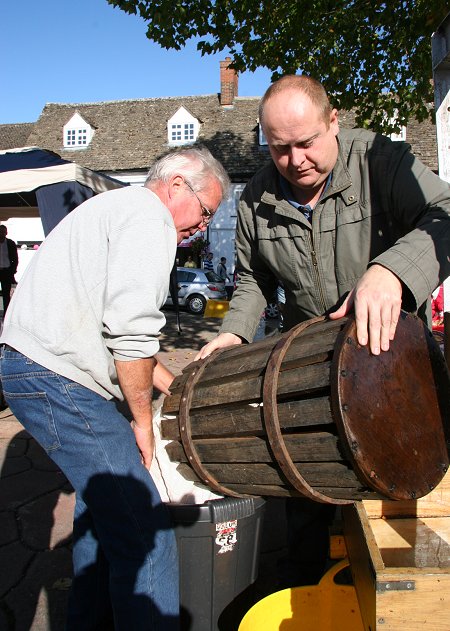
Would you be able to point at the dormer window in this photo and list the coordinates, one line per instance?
(182, 128)
(77, 133)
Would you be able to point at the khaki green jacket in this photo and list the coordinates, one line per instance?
(382, 206)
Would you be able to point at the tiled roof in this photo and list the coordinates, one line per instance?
(131, 134)
(15, 135)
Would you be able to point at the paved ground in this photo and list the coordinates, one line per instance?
(36, 505)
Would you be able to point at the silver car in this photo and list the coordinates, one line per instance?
(196, 286)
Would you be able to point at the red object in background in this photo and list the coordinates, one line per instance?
(437, 310)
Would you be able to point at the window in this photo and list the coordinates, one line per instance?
(185, 277)
(182, 128)
(76, 137)
(400, 135)
(77, 133)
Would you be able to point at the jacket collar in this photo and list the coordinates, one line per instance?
(341, 183)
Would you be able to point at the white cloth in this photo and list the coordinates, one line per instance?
(168, 477)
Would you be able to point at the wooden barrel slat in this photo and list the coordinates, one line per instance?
(318, 474)
(305, 379)
(250, 366)
(236, 420)
(239, 363)
(313, 447)
(270, 490)
(265, 490)
(263, 474)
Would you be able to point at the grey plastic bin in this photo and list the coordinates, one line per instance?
(218, 547)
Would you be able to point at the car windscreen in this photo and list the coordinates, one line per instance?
(213, 277)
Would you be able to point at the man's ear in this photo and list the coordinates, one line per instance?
(175, 185)
(334, 121)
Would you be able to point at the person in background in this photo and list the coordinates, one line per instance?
(222, 269)
(222, 272)
(189, 262)
(208, 262)
(348, 220)
(80, 339)
(9, 261)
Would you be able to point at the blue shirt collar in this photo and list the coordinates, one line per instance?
(288, 195)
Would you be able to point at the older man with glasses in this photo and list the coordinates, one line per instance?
(80, 337)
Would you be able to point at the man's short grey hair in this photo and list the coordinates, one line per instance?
(196, 164)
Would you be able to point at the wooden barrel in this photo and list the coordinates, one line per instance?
(312, 413)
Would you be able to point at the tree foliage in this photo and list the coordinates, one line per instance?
(372, 56)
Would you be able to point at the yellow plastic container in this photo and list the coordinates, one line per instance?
(323, 607)
(216, 308)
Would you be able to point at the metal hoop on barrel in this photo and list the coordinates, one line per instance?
(271, 419)
(186, 429)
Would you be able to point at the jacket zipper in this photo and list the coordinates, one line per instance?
(316, 271)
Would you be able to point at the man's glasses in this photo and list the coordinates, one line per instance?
(207, 214)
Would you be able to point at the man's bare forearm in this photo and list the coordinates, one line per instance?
(136, 383)
(162, 377)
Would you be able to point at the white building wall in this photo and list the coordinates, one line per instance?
(222, 230)
(21, 229)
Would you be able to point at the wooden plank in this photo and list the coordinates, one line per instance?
(418, 543)
(267, 490)
(264, 490)
(435, 504)
(425, 608)
(232, 419)
(316, 474)
(365, 561)
(394, 597)
(337, 547)
(246, 361)
(296, 382)
(313, 447)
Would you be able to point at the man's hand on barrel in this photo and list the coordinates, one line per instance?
(377, 299)
(221, 341)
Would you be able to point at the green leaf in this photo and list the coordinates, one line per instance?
(374, 56)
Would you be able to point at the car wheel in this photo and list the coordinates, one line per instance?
(196, 304)
(272, 310)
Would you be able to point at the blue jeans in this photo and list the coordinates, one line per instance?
(124, 551)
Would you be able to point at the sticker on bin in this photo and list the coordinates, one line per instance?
(226, 535)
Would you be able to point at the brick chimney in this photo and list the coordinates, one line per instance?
(228, 82)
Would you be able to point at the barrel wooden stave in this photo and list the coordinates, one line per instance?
(228, 428)
(298, 381)
(313, 447)
(284, 491)
(254, 363)
(340, 481)
(220, 378)
(243, 419)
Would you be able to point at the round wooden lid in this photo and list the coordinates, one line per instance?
(392, 409)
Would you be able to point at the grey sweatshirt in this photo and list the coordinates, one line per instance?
(94, 290)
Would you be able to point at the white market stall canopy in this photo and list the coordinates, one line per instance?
(37, 182)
